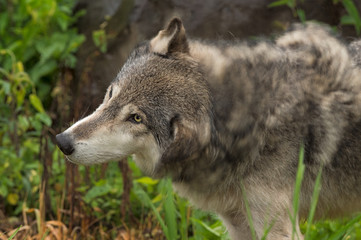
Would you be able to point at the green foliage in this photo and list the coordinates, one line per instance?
(314, 200)
(174, 214)
(177, 219)
(102, 197)
(352, 18)
(292, 4)
(38, 33)
(334, 230)
(14, 234)
(21, 123)
(100, 40)
(36, 38)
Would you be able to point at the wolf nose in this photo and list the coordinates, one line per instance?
(65, 143)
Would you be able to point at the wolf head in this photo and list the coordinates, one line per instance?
(157, 109)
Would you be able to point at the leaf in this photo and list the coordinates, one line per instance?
(47, 50)
(3, 190)
(147, 181)
(27, 184)
(75, 41)
(5, 86)
(3, 22)
(35, 123)
(36, 103)
(218, 227)
(70, 61)
(301, 15)
(354, 14)
(23, 123)
(347, 20)
(95, 192)
(210, 233)
(54, 46)
(13, 198)
(40, 70)
(157, 198)
(63, 20)
(278, 3)
(32, 145)
(20, 66)
(44, 118)
(100, 40)
(19, 92)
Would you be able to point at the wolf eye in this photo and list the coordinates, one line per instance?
(136, 118)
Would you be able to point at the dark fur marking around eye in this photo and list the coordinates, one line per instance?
(135, 118)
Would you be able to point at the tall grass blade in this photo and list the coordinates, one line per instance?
(142, 195)
(248, 211)
(315, 195)
(354, 14)
(14, 234)
(278, 3)
(198, 230)
(169, 209)
(297, 190)
(184, 219)
(301, 15)
(45, 234)
(209, 233)
(267, 230)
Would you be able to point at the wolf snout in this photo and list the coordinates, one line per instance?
(65, 143)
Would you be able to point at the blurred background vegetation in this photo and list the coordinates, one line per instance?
(56, 59)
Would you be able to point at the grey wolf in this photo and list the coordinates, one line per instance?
(214, 115)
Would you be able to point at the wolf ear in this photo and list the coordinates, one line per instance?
(170, 40)
(188, 139)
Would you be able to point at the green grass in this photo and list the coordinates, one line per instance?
(14, 234)
(175, 216)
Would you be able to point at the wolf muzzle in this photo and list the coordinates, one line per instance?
(65, 143)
